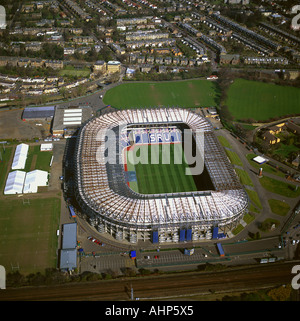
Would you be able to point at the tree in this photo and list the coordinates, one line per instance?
(280, 294)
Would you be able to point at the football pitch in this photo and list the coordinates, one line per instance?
(189, 93)
(158, 169)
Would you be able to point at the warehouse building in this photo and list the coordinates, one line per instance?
(67, 121)
(68, 254)
(37, 113)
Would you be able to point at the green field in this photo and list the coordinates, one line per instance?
(37, 159)
(279, 207)
(158, 178)
(28, 233)
(279, 187)
(191, 93)
(261, 101)
(70, 71)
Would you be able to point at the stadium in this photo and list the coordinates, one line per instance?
(134, 202)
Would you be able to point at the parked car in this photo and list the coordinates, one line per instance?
(94, 240)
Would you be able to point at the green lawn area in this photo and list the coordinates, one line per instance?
(6, 156)
(234, 159)
(73, 72)
(254, 198)
(284, 150)
(191, 93)
(244, 177)
(261, 101)
(279, 207)
(224, 142)
(28, 233)
(279, 187)
(154, 178)
(266, 168)
(37, 159)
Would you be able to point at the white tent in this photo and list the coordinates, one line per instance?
(35, 179)
(14, 182)
(260, 160)
(46, 147)
(20, 157)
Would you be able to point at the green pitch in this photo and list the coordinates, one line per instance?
(261, 101)
(155, 177)
(28, 233)
(191, 93)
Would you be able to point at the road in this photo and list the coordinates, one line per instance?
(161, 287)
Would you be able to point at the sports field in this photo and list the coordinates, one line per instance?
(28, 237)
(261, 101)
(152, 175)
(191, 93)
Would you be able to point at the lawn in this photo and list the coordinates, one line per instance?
(261, 101)
(28, 233)
(233, 157)
(244, 177)
(37, 159)
(73, 72)
(254, 198)
(279, 207)
(156, 178)
(191, 93)
(224, 142)
(279, 187)
(285, 150)
(266, 168)
(4, 162)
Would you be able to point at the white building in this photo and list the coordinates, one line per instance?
(46, 147)
(35, 179)
(14, 183)
(20, 157)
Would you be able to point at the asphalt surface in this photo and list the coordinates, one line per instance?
(162, 287)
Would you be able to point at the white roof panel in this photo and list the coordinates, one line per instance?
(20, 157)
(14, 182)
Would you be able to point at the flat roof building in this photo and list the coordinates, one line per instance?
(66, 121)
(38, 112)
(68, 254)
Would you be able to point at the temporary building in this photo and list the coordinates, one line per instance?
(14, 183)
(46, 147)
(20, 156)
(260, 160)
(35, 179)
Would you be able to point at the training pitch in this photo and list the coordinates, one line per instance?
(28, 233)
(261, 101)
